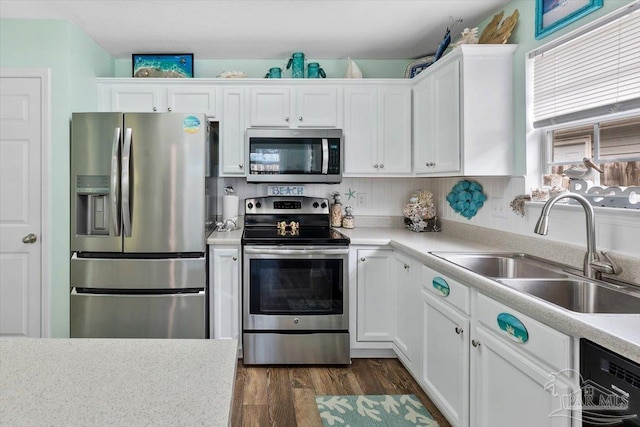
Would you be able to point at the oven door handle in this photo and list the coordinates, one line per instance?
(262, 250)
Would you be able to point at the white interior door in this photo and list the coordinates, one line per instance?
(22, 96)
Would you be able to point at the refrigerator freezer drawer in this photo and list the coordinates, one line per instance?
(179, 315)
(127, 273)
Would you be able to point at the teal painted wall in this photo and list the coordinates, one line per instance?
(257, 68)
(524, 36)
(74, 61)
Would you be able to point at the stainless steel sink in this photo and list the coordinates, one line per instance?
(549, 281)
(507, 265)
(578, 295)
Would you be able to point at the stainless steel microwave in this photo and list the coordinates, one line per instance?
(294, 155)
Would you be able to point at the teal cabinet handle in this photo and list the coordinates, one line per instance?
(513, 327)
(441, 286)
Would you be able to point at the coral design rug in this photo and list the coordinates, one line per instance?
(367, 410)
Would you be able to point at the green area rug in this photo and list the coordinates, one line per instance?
(384, 410)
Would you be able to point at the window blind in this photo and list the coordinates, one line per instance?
(595, 73)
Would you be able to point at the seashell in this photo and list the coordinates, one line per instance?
(353, 71)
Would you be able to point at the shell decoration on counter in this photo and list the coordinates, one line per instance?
(353, 71)
(420, 212)
(466, 197)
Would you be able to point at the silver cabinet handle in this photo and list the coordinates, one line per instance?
(375, 166)
(475, 343)
(235, 258)
(300, 118)
(458, 330)
(30, 238)
(406, 266)
(286, 119)
(362, 259)
(170, 109)
(381, 166)
(240, 166)
(155, 108)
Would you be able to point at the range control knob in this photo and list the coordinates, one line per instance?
(250, 205)
(323, 205)
(258, 205)
(315, 204)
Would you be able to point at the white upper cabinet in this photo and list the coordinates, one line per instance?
(158, 97)
(463, 113)
(298, 106)
(232, 132)
(377, 130)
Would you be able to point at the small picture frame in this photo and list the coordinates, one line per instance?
(551, 15)
(416, 66)
(165, 65)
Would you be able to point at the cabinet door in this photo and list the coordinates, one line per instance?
(232, 128)
(445, 364)
(407, 307)
(270, 107)
(394, 130)
(360, 131)
(224, 282)
(423, 146)
(136, 98)
(375, 295)
(444, 118)
(192, 99)
(316, 107)
(509, 389)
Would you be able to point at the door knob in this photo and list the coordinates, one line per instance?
(30, 238)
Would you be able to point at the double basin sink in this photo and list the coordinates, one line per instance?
(550, 282)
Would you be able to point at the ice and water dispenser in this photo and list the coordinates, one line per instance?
(92, 205)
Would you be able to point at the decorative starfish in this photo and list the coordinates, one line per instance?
(351, 194)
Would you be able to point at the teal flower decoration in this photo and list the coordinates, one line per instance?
(466, 198)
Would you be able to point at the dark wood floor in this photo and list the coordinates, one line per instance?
(285, 396)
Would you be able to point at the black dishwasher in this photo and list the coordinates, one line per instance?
(610, 387)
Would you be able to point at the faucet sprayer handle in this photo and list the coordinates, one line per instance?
(607, 267)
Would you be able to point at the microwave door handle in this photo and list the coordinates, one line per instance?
(115, 182)
(325, 156)
(126, 183)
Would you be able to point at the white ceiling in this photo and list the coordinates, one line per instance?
(262, 29)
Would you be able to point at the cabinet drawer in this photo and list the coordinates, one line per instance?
(449, 290)
(529, 335)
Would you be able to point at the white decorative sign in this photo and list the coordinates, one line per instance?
(285, 190)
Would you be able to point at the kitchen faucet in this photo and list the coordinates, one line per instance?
(593, 266)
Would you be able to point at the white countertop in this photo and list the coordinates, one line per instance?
(620, 333)
(123, 382)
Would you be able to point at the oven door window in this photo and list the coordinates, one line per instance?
(296, 286)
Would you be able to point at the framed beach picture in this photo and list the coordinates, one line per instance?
(172, 65)
(552, 15)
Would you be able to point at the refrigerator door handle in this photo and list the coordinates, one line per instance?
(126, 183)
(115, 183)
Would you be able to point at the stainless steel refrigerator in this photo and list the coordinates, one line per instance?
(140, 196)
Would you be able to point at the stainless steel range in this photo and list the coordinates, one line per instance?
(295, 283)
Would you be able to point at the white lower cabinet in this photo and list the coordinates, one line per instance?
(224, 292)
(406, 338)
(487, 365)
(374, 295)
(445, 364)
